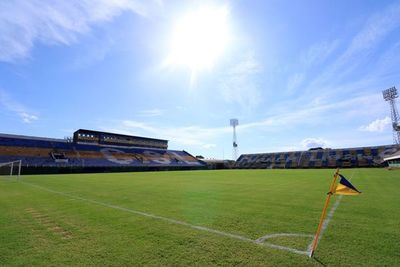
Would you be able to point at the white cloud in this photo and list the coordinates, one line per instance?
(7, 103)
(378, 125)
(188, 135)
(209, 146)
(24, 23)
(314, 142)
(314, 113)
(282, 148)
(151, 112)
(295, 81)
(238, 84)
(203, 136)
(376, 29)
(363, 66)
(27, 118)
(129, 124)
(93, 53)
(318, 53)
(313, 57)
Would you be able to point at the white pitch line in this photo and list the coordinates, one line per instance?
(263, 238)
(327, 221)
(328, 218)
(173, 221)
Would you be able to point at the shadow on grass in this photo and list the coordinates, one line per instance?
(319, 261)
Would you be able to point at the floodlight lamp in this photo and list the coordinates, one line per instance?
(390, 93)
(234, 122)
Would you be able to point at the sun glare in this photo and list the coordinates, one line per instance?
(199, 38)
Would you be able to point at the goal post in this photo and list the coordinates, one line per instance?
(11, 169)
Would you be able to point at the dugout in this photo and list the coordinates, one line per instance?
(393, 160)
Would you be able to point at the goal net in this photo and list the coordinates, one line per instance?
(10, 169)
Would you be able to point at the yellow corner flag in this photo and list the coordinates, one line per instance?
(345, 187)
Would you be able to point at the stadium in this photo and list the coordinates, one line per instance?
(94, 151)
(117, 120)
(66, 212)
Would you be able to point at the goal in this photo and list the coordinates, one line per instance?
(10, 169)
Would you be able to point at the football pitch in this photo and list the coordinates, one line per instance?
(198, 218)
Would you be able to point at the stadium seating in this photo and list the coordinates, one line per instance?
(42, 152)
(322, 158)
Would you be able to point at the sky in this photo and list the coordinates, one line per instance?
(296, 74)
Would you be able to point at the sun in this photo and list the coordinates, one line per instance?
(199, 38)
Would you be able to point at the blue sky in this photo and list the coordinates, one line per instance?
(296, 74)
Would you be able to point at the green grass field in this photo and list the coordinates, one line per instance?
(93, 219)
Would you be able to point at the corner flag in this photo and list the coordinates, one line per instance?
(345, 187)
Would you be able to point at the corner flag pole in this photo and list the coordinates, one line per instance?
(321, 220)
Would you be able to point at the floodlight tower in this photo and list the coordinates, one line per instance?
(390, 95)
(234, 123)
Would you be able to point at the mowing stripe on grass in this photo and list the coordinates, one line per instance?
(259, 241)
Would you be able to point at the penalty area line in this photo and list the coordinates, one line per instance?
(259, 241)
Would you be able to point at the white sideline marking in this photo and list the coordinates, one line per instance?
(259, 241)
(262, 239)
(328, 218)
